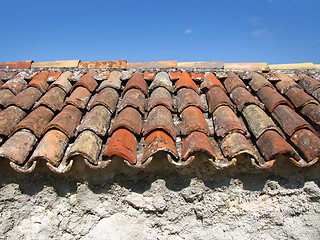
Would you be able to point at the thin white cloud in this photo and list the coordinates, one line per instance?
(188, 31)
(270, 1)
(261, 33)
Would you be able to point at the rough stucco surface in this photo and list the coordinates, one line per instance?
(161, 202)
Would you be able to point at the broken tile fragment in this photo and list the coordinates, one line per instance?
(122, 143)
(198, 77)
(193, 120)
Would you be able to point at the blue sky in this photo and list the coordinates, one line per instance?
(273, 31)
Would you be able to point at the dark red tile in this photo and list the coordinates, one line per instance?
(51, 147)
(52, 99)
(16, 65)
(149, 76)
(79, 97)
(66, 121)
(113, 81)
(242, 97)
(308, 83)
(198, 77)
(161, 80)
(258, 82)
(312, 111)
(18, 147)
(130, 119)
(271, 98)
(40, 81)
(285, 82)
(122, 143)
(15, 85)
(36, 121)
(216, 97)
(234, 145)
(271, 145)
(226, 121)
(210, 81)
(160, 96)
(185, 81)
(175, 75)
(232, 82)
(299, 98)
(196, 142)
(187, 97)
(107, 97)
(97, 120)
(63, 82)
(308, 143)
(5, 96)
(289, 120)
(160, 118)
(258, 121)
(9, 118)
(316, 94)
(87, 81)
(133, 98)
(136, 82)
(193, 120)
(156, 142)
(88, 146)
(26, 98)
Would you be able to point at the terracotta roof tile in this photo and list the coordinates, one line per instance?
(177, 123)
(56, 64)
(107, 97)
(51, 148)
(66, 121)
(136, 82)
(86, 81)
(187, 97)
(113, 81)
(271, 98)
(200, 65)
(15, 65)
(79, 98)
(160, 96)
(96, 120)
(26, 98)
(247, 66)
(40, 81)
(122, 143)
(185, 81)
(130, 119)
(193, 120)
(160, 118)
(104, 64)
(161, 80)
(52, 99)
(160, 64)
(2, 73)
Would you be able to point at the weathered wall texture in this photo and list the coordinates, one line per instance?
(161, 202)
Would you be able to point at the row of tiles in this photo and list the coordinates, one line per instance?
(122, 64)
(99, 115)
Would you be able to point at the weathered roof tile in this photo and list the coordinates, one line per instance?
(160, 96)
(107, 97)
(79, 98)
(187, 97)
(40, 81)
(15, 65)
(120, 64)
(193, 120)
(87, 81)
(185, 81)
(52, 99)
